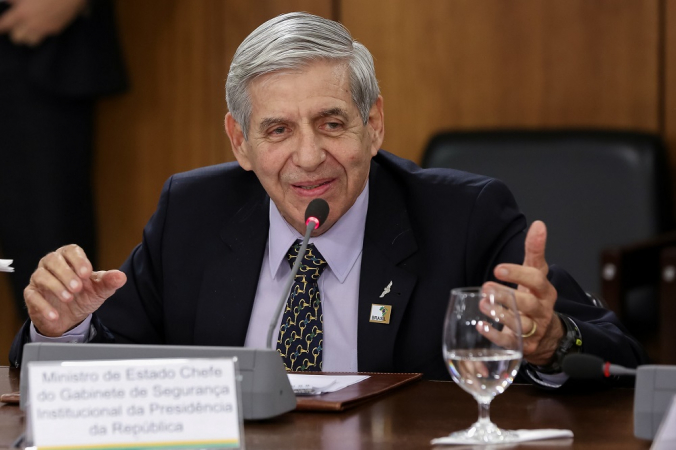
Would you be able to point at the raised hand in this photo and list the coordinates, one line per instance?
(535, 298)
(64, 290)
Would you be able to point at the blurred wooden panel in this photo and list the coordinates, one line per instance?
(9, 321)
(669, 130)
(178, 53)
(467, 64)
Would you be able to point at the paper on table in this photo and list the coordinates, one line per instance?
(522, 436)
(321, 384)
(5, 263)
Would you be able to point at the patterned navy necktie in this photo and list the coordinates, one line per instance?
(301, 334)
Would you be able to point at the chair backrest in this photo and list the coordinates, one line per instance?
(593, 189)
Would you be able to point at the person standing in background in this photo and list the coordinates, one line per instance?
(56, 58)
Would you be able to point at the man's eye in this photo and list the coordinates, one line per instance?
(333, 125)
(278, 130)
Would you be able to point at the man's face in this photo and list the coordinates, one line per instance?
(307, 140)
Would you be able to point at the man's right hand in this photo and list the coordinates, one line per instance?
(64, 290)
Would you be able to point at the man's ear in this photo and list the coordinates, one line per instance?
(376, 125)
(240, 146)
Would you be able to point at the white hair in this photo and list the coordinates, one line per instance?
(290, 42)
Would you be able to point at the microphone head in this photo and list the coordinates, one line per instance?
(585, 366)
(318, 209)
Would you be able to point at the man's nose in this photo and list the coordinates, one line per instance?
(309, 153)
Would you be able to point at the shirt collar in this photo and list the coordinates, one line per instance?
(340, 246)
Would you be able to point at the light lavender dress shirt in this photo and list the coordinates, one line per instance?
(341, 247)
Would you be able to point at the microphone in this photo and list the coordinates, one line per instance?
(585, 366)
(315, 215)
(317, 211)
(654, 384)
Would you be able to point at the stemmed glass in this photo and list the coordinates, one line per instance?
(483, 349)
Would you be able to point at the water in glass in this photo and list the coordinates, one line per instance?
(483, 349)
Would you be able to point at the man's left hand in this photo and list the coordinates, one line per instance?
(535, 298)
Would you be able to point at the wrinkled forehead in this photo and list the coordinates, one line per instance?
(322, 85)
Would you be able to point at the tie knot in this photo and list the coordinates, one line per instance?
(312, 260)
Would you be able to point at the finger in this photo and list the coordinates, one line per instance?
(31, 39)
(498, 294)
(527, 326)
(45, 317)
(39, 309)
(481, 369)
(18, 36)
(501, 305)
(505, 338)
(498, 312)
(520, 321)
(48, 285)
(106, 283)
(77, 259)
(55, 267)
(9, 20)
(23, 36)
(536, 241)
(533, 279)
(507, 318)
(473, 369)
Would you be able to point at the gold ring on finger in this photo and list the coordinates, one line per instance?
(531, 332)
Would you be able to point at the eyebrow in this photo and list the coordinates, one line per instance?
(333, 112)
(270, 121)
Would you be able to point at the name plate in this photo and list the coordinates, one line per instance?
(151, 403)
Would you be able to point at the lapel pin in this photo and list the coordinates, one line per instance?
(386, 290)
(380, 313)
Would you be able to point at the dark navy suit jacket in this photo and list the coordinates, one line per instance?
(193, 279)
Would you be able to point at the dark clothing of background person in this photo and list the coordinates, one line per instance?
(47, 97)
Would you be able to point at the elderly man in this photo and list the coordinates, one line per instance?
(306, 121)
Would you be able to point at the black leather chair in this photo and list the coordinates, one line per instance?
(596, 191)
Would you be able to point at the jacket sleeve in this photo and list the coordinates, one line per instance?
(602, 333)
(135, 313)
(98, 333)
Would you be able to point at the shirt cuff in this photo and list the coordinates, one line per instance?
(551, 381)
(77, 335)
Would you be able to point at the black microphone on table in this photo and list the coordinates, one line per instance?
(315, 215)
(586, 366)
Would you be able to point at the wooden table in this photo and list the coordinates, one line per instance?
(413, 415)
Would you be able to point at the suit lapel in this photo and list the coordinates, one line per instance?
(231, 276)
(388, 242)
(233, 265)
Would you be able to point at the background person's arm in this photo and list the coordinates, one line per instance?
(29, 22)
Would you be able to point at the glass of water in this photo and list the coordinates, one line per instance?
(483, 349)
